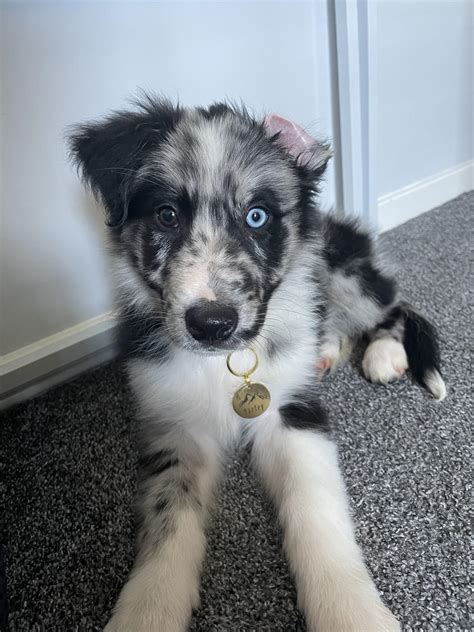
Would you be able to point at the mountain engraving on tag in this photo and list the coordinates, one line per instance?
(251, 400)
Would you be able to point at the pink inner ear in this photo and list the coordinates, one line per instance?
(292, 137)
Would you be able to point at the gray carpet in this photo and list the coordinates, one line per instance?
(67, 471)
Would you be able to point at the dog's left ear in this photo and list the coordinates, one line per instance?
(303, 148)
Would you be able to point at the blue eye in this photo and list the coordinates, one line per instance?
(256, 217)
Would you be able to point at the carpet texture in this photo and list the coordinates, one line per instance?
(67, 471)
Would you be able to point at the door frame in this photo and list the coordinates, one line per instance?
(354, 27)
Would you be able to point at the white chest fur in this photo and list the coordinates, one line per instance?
(195, 391)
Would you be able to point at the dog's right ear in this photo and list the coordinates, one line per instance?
(109, 153)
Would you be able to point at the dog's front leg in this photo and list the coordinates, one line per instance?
(177, 477)
(298, 463)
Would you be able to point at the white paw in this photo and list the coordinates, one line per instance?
(435, 384)
(145, 606)
(380, 619)
(358, 617)
(333, 354)
(146, 620)
(385, 360)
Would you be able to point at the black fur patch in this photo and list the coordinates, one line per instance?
(109, 153)
(344, 243)
(421, 344)
(154, 464)
(251, 332)
(308, 414)
(349, 249)
(376, 285)
(161, 505)
(140, 337)
(392, 318)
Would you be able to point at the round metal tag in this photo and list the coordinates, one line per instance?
(251, 400)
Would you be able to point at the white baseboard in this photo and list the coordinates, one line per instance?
(37, 367)
(421, 196)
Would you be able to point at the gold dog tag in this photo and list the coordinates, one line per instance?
(253, 398)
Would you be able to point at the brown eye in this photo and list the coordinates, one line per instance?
(167, 218)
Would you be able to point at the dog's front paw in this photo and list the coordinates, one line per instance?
(332, 355)
(145, 607)
(377, 619)
(353, 606)
(360, 618)
(146, 618)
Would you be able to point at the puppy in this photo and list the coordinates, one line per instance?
(219, 251)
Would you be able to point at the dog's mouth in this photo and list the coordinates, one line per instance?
(218, 349)
(233, 344)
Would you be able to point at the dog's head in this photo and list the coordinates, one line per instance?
(207, 210)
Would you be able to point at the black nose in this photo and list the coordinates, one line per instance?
(211, 322)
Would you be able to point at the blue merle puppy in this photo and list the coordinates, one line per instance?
(218, 247)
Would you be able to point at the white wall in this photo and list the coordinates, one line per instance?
(425, 89)
(68, 61)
